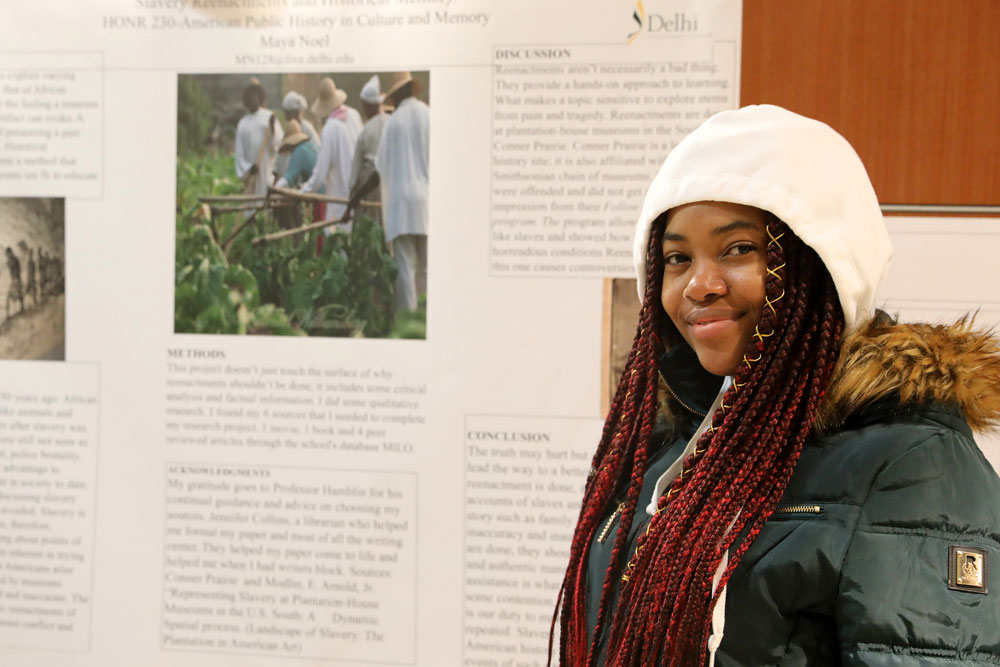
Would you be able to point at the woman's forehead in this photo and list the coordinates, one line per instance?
(714, 217)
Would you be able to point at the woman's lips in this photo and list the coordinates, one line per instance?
(712, 326)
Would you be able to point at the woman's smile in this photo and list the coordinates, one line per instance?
(708, 327)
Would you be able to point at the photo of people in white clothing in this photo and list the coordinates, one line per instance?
(302, 204)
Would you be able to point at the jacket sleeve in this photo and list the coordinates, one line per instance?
(895, 604)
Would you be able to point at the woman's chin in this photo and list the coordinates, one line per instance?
(719, 364)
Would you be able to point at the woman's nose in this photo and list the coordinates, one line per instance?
(707, 282)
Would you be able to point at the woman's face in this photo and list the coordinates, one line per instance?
(715, 261)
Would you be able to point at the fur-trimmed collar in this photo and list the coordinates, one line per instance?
(916, 363)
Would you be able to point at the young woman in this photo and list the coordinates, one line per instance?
(786, 476)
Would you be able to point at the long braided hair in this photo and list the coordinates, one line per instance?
(728, 486)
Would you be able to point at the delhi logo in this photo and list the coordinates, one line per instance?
(639, 15)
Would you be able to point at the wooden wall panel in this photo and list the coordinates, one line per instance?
(913, 84)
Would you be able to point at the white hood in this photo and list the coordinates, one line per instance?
(797, 168)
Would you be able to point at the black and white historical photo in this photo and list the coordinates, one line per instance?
(32, 240)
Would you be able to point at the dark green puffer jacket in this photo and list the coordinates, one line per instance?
(883, 548)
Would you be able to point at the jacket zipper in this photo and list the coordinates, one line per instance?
(678, 399)
(607, 526)
(798, 509)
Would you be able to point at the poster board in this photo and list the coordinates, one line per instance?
(376, 491)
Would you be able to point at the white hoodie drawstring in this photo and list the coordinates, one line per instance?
(719, 612)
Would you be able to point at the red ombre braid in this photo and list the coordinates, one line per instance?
(619, 463)
(729, 485)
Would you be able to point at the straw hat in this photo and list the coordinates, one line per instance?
(330, 97)
(293, 135)
(397, 81)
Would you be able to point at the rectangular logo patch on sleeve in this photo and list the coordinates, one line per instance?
(967, 569)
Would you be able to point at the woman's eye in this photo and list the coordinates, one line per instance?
(675, 258)
(742, 249)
